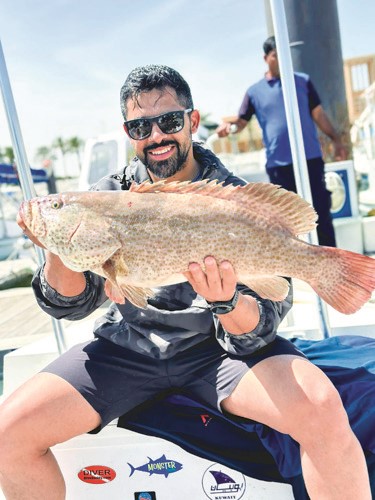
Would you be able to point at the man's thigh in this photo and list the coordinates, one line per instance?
(112, 379)
(44, 411)
(279, 391)
(211, 375)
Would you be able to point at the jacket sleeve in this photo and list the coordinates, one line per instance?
(271, 315)
(71, 308)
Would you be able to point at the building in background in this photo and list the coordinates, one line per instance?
(359, 74)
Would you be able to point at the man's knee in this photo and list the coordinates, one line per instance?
(17, 442)
(320, 413)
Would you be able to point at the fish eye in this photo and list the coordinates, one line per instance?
(56, 204)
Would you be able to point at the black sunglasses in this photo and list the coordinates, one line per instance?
(169, 123)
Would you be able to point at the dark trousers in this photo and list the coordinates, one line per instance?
(321, 196)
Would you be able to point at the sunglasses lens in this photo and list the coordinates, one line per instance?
(171, 123)
(139, 129)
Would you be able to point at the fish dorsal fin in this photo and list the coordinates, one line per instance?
(282, 208)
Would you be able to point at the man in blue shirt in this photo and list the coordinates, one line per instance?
(265, 100)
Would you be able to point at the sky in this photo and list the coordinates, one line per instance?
(67, 59)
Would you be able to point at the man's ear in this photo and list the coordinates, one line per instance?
(195, 119)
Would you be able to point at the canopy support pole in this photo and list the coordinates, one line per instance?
(294, 128)
(24, 172)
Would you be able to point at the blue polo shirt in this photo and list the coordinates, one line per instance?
(265, 100)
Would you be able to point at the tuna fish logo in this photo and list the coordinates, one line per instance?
(162, 466)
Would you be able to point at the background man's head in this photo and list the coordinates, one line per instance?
(269, 45)
(270, 56)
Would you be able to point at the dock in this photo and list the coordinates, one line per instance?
(22, 321)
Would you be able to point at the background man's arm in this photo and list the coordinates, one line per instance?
(323, 122)
(225, 128)
(235, 126)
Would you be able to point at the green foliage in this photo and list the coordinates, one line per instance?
(7, 155)
(72, 145)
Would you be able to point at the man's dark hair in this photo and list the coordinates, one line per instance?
(269, 45)
(154, 76)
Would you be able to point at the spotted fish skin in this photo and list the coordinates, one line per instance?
(146, 237)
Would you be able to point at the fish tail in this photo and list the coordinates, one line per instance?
(132, 469)
(348, 279)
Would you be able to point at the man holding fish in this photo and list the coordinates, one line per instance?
(195, 326)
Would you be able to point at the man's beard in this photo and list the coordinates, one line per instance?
(166, 168)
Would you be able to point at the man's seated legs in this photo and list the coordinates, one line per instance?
(293, 396)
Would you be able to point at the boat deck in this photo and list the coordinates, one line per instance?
(23, 322)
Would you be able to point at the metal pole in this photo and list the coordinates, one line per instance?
(294, 127)
(23, 169)
(316, 23)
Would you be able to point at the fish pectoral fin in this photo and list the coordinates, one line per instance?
(116, 287)
(268, 287)
(113, 292)
(121, 292)
(136, 294)
(111, 287)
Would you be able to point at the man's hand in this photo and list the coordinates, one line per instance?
(233, 127)
(216, 283)
(224, 129)
(340, 151)
(323, 122)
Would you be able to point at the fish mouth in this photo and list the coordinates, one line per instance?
(29, 219)
(25, 216)
(21, 216)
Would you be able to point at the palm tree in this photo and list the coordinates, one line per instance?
(74, 145)
(9, 153)
(45, 156)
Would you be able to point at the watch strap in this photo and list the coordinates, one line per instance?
(225, 306)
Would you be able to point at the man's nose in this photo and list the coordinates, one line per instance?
(156, 134)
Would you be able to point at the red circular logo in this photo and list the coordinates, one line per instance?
(96, 474)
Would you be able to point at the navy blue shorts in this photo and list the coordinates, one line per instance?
(115, 380)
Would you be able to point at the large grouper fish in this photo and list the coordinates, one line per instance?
(146, 237)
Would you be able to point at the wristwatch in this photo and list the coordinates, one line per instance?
(225, 306)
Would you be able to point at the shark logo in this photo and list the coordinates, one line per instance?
(162, 465)
(221, 483)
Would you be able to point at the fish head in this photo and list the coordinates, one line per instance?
(52, 219)
(73, 226)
